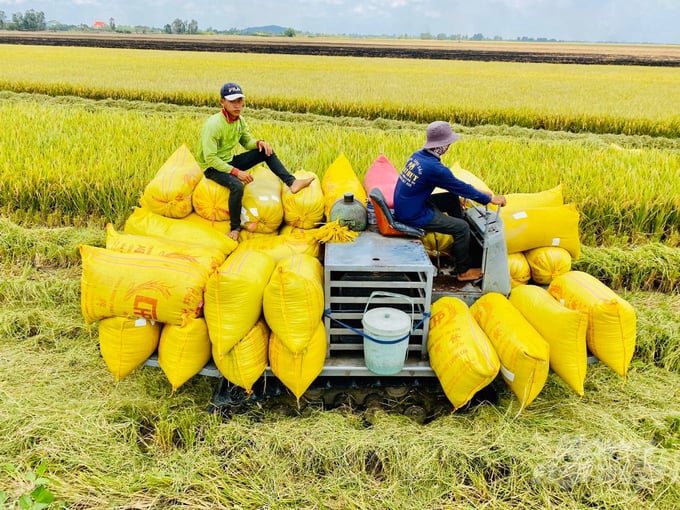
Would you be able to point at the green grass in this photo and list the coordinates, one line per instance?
(132, 445)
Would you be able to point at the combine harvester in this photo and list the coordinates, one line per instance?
(378, 291)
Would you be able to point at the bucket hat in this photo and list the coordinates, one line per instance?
(439, 134)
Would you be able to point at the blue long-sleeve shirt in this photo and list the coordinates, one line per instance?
(424, 172)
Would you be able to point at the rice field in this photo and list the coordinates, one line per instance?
(579, 98)
(83, 131)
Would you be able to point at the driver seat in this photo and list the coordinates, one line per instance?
(387, 225)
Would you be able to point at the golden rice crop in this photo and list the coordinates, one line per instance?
(617, 99)
(92, 160)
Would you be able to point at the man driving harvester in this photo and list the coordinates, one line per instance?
(414, 203)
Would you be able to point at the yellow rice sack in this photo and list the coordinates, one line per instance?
(211, 200)
(146, 223)
(169, 192)
(281, 246)
(469, 178)
(526, 229)
(460, 352)
(523, 352)
(564, 330)
(125, 344)
(611, 320)
(339, 179)
(184, 350)
(223, 227)
(262, 210)
(210, 258)
(233, 298)
(303, 209)
(246, 362)
(298, 370)
(547, 263)
(293, 300)
(437, 243)
(520, 272)
(547, 198)
(115, 284)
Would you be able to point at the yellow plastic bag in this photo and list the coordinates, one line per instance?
(526, 229)
(303, 209)
(437, 243)
(520, 272)
(247, 360)
(169, 192)
(281, 246)
(210, 258)
(162, 289)
(211, 200)
(564, 330)
(233, 298)
(547, 198)
(547, 263)
(125, 344)
(339, 179)
(146, 223)
(223, 227)
(470, 178)
(523, 352)
(293, 300)
(298, 370)
(184, 350)
(460, 352)
(611, 320)
(262, 210)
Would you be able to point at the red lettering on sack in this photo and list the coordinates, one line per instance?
(145, 307)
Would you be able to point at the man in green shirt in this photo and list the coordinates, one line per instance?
(220, 135)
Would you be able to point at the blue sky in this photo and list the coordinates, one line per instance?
(653, 21)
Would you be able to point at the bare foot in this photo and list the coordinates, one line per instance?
(299, 184)
(233, 235)
(470, 275)
(251, 227)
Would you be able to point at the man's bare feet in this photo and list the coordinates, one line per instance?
(299, 184)
(470, 275)
(233, 235)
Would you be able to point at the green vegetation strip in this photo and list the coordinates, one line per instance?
(599, 99)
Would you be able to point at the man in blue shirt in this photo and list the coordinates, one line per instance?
(414, 203)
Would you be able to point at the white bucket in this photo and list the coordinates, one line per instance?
(386, 337)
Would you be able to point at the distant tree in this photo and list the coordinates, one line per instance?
(192, 27)
(289, 32)
(112, 24)
(477, 37)
(426, 35)
(179, 26)
(29, 20)
(441, 36)
(2, 19)
(167, 28)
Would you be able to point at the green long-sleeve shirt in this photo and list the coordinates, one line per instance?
(219, 138)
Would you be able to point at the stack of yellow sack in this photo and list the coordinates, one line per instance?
(524, 335)
(145, 288)
(541, 234)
